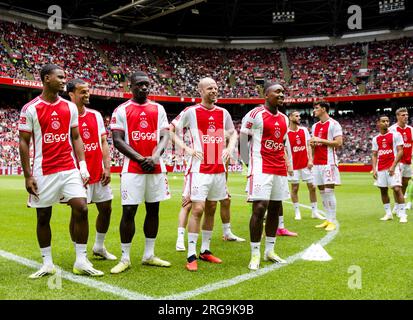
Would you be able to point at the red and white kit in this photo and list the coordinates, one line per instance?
(92, 128)
(207, 128)
(54, 163)
(386, 147)
(407, 136)
(297, 151)
(141, 124)
(267, 171)
(325, 168)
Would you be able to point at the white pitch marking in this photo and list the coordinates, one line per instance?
(131, 295)
(117, 291)
(248, 276)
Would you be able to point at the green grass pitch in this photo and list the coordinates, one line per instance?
(381, 251)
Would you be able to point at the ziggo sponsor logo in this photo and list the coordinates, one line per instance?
(137, 135)
(90, 146)
(51, 138)
(298, 149)
(384, 152)
(206, 138)
(270, 144)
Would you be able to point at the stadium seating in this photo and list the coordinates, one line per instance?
(313, 71)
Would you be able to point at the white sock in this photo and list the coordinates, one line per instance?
(47, 255)
(74, 244)
(314, 207)
(402, 209)
(81, 252)
(281, 222)
(149, 248)
(387, 209)
(99, 240)
(181, 234)
(192, 240)
(332, 203)
(206, 239)
(324, 199)
(269, 244)
(296, 206)
(396, 207)
(226, 229)
(125, 251)
(255, 248)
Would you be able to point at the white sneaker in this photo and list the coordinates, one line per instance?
(387, 217)
(271, 256)
(254, 262)
(408, 206)
(155, 261)
(232, 237)
(103, 253)
(121, 266)
(403, 218)
(317, 215)
(180, 245)
(84, 268)
(297, 215)
(43, 271)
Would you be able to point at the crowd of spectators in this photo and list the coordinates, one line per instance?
(323, 71)
(76, 55)
(315, 71)
(9, 137)
(391, 65)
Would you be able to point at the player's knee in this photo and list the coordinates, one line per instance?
(259, 209)
(80, 212)
(43, 219)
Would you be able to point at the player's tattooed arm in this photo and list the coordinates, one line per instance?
(374, 164)
(151, 161)
(106, 161)
(24, 149)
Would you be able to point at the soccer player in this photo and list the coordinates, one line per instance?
(266, 127)
(387, 152)
(210, 126)
(327, 137)
(93, 133)
(53, 124)
(406, 132)
(225, 205)
(140, 132)
(300, 156)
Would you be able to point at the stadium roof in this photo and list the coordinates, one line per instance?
(222, 19)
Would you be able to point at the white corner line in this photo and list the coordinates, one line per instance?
(251, 275)
(84, 280)
(131, 295)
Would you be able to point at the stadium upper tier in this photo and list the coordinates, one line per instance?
(305, 72)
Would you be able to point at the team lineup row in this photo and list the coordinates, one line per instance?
(71, 152)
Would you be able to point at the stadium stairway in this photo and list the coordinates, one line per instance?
(159, 71)
(27, 74)
(286, 68)
(109, 64)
